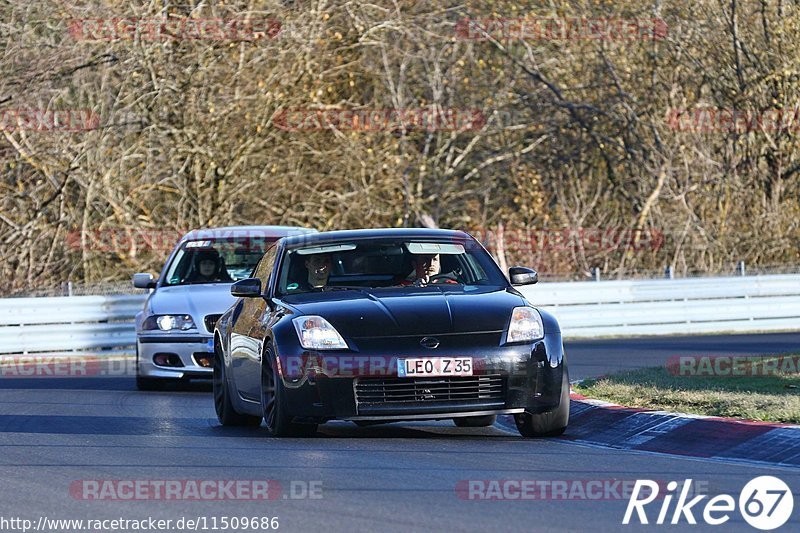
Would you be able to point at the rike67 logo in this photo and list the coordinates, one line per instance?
(765, 503)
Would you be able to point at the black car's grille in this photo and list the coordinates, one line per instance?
(210, 321)
(425, 391)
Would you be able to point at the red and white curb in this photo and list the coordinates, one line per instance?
(606, 424)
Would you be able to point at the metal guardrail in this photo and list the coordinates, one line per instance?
(584, 310)
(672, 306)
(57, 324)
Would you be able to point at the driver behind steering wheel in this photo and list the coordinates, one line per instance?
(426, 271)
(318, 268)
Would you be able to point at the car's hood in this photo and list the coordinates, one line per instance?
(197, 300)
(410, 311)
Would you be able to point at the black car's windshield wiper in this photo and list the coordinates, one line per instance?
(343, 288)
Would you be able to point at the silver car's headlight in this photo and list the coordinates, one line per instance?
(525, 326)
(315, 333)
(168, 322)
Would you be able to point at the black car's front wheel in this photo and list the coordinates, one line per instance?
(273, 402)
(227, 415)
(550, 424)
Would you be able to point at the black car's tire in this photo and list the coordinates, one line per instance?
(273, 402)
(550, 424)
(226, 414)
(475, 421)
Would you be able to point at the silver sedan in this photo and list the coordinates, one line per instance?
(174, 330)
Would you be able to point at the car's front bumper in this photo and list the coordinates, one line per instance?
(435, 415)
(191, 349)
(506, 380)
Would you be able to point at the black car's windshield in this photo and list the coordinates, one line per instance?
(222, 260)
(386, 263)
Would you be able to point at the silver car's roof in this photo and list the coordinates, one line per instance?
(246, 231)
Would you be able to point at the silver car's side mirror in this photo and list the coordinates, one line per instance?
(144, 280)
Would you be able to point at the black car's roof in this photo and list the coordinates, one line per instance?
(361, 234)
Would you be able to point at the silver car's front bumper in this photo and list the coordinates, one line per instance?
(188, 347)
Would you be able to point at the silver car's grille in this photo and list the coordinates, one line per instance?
(403, 391)
(210, 321)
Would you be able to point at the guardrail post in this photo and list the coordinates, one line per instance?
(596, 273)
(740, 270)
(668, 272)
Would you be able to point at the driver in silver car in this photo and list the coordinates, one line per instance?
(208, 268)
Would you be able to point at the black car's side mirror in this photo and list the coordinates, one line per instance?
(247, 288)
(143, 280)
(522, 276)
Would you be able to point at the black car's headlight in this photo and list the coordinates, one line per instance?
(168, 323)
(525, 325)
(316, 333)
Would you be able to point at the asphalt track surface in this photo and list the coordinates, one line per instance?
(55, 432)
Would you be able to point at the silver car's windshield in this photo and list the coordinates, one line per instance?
(222, 260)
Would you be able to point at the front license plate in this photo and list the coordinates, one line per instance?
(434, 366)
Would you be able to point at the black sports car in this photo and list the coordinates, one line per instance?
(386, 325)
